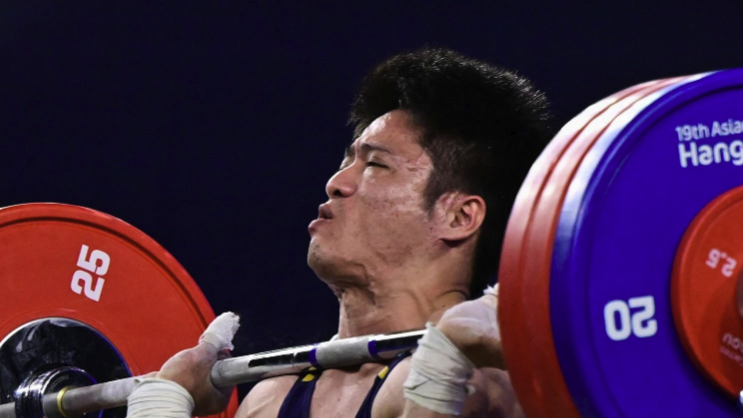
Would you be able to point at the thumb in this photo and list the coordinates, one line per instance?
(493, 290)
(489, 297)
(219, 334)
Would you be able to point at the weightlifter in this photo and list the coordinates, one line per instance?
(411, 230)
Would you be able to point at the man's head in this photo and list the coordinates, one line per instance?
(459, 137)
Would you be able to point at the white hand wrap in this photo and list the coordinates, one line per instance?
(154, 397)
(438, 374)
(221, 331)
(493, 313)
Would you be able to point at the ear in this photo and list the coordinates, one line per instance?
(462, 216)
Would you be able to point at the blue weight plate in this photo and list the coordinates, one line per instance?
(625, 212)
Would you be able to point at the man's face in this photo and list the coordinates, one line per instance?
(374, 220)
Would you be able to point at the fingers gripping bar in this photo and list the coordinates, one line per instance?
(244, 369)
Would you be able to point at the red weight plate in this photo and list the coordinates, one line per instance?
(533, 184)
(525, 263)
(706, 275)
(71, 262)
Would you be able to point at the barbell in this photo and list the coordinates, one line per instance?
(619, 278)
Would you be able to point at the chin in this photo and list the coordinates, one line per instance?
(318, 260)
(329, 267)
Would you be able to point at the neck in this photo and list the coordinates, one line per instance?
(399, 302)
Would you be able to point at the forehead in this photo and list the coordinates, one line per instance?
(395, 132)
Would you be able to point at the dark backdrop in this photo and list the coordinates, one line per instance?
(214, 127)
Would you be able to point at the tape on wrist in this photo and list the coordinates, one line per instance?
(438, 374)
(153, 397)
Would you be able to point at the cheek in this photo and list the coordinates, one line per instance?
(393, 210)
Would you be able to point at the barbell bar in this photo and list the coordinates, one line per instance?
(77, 401)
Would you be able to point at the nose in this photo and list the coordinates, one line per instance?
(342, 184)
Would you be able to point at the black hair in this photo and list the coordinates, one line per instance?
(482, 126)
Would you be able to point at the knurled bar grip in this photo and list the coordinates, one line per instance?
(244, 369)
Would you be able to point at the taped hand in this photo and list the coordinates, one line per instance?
(191, 368)
(472, 327)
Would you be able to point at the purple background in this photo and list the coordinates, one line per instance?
(214, 128)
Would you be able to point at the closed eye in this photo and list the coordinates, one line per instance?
(374, 164)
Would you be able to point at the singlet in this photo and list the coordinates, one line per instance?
(297, 402)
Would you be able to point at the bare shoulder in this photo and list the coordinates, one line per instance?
(390, 401)
(265, 399)
(493, 395)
